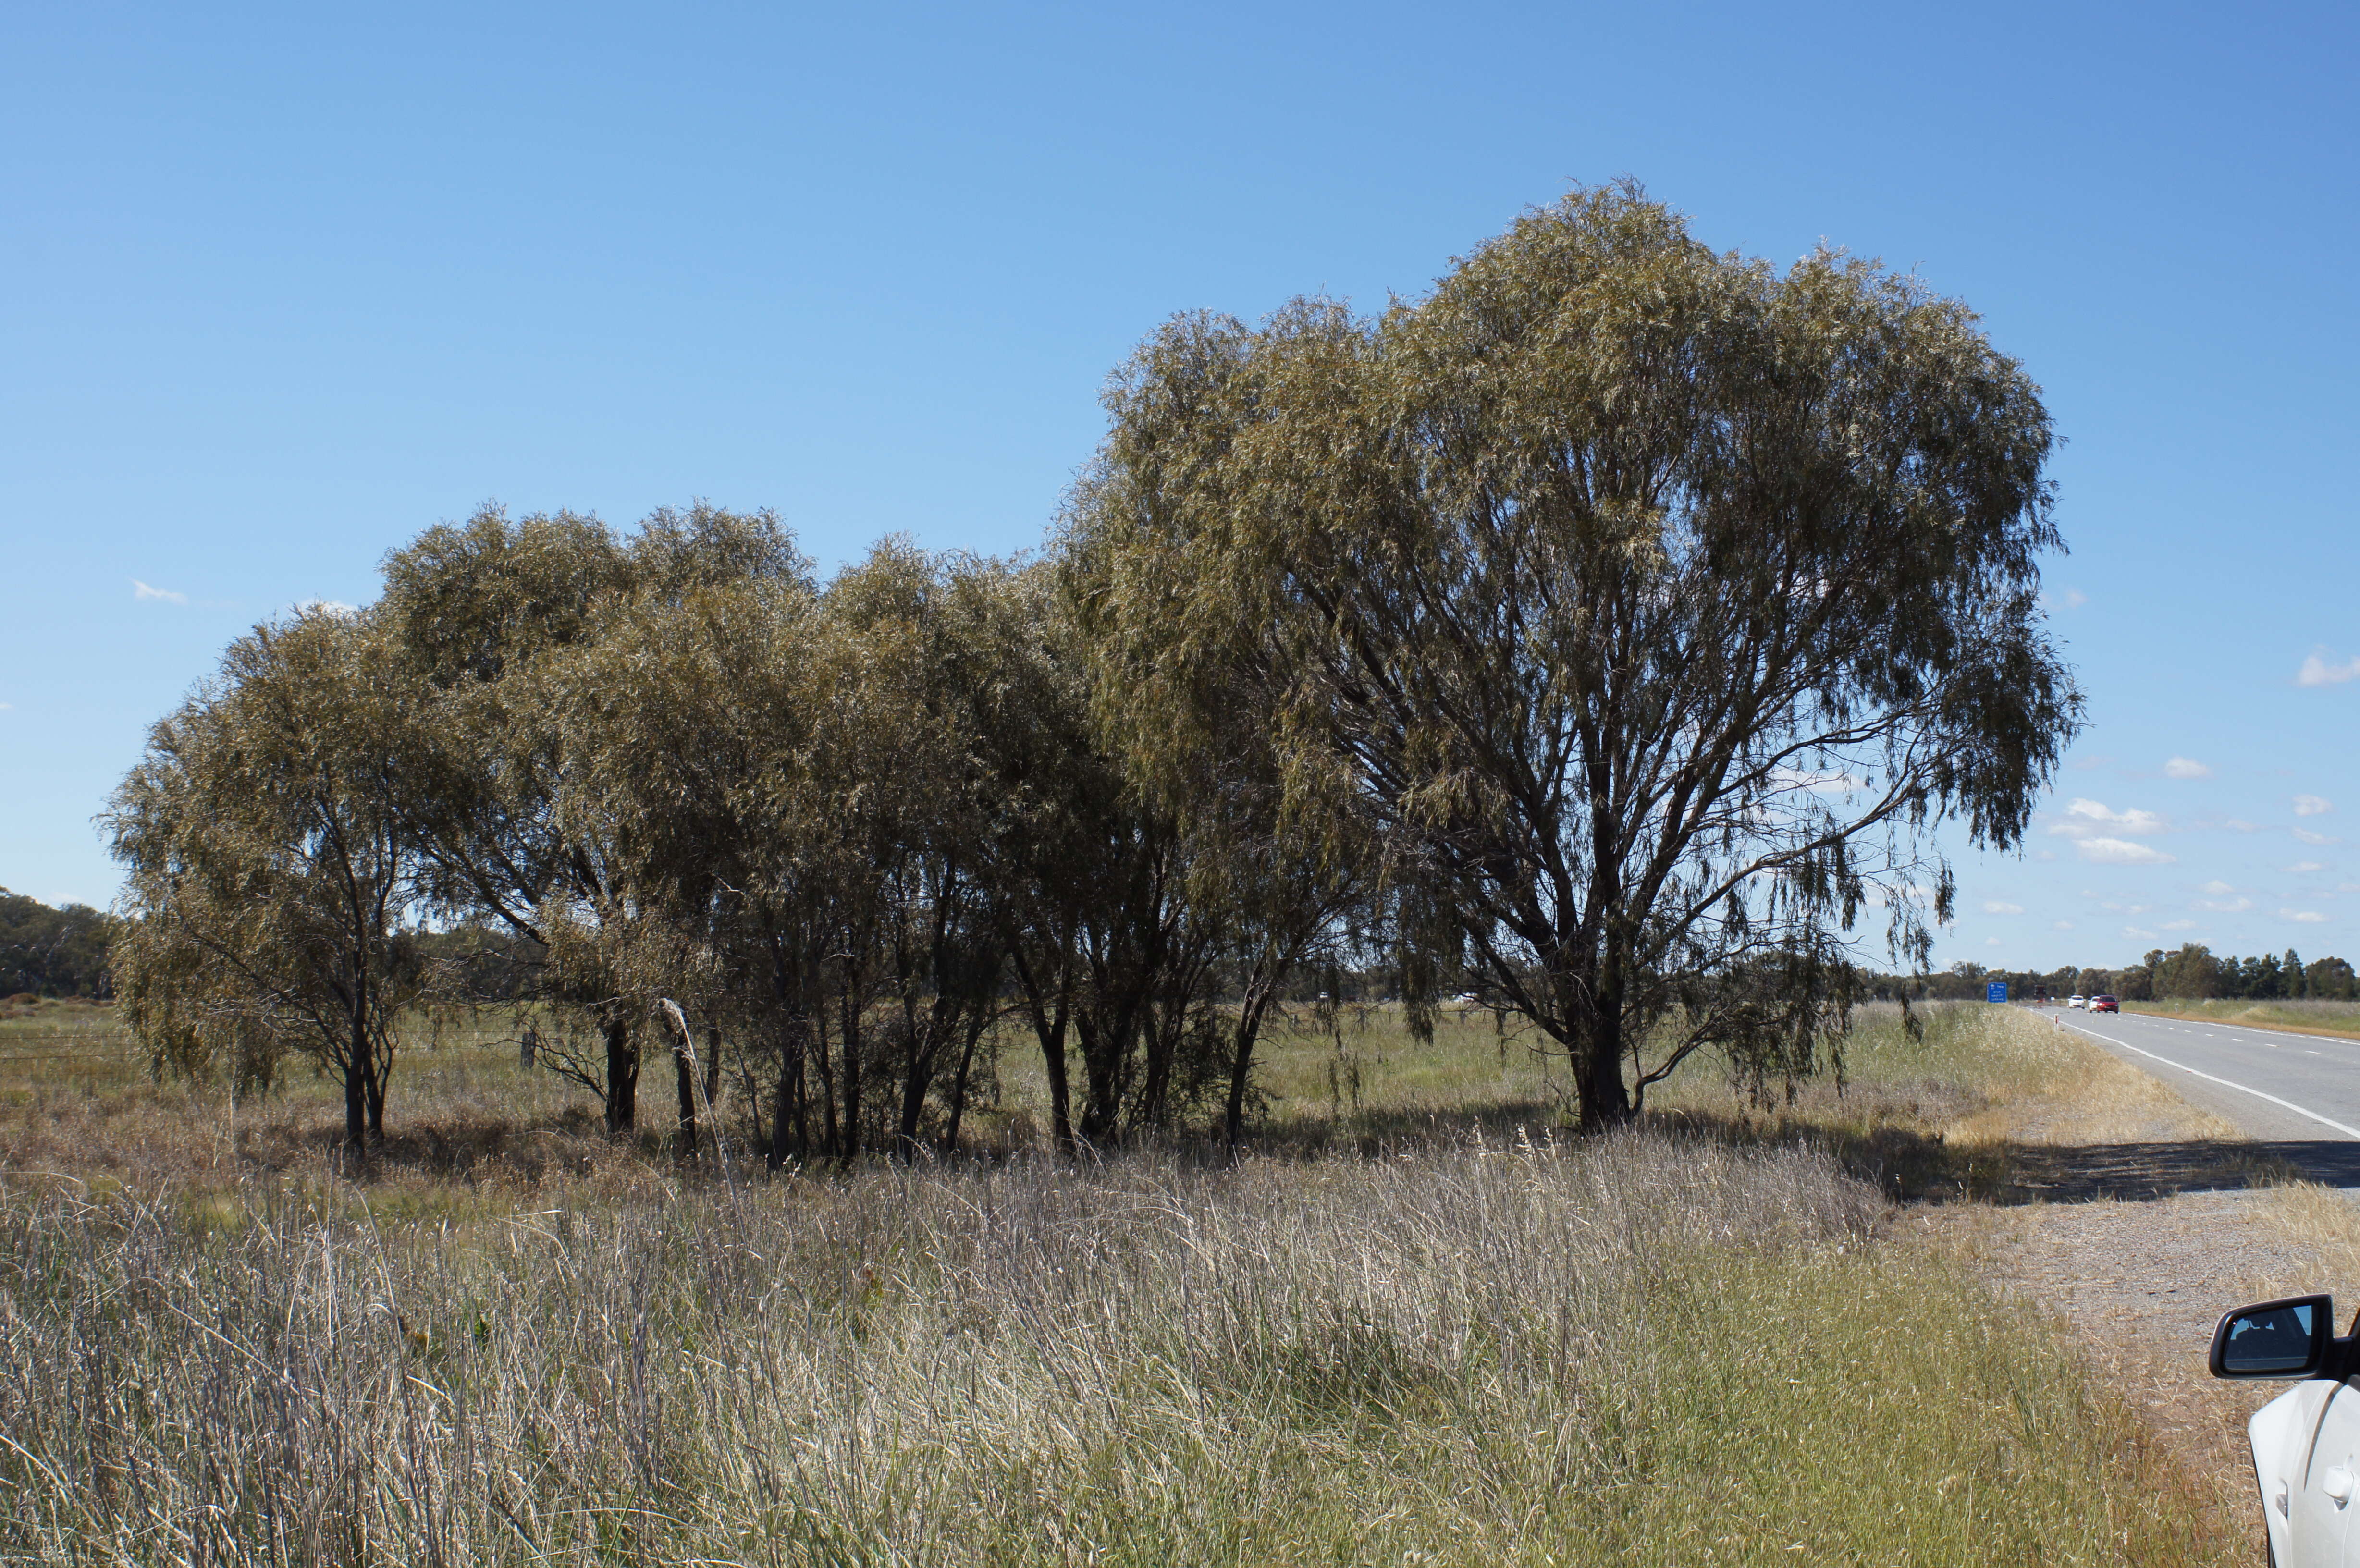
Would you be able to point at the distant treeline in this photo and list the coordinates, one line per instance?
(2189, 972)
(51, 953)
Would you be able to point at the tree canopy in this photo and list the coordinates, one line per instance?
(1605, 631)
(1646, 603)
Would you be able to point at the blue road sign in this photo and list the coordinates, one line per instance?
(1996, 992)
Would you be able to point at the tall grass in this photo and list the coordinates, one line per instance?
(1636, 1350)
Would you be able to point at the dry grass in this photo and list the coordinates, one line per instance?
(1640, 1350)
(1401, 1332)
(2325, 1219)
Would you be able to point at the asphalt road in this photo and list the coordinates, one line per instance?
(2297, 1093)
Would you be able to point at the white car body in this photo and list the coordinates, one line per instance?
(2307, 1463)
(2077, 1001)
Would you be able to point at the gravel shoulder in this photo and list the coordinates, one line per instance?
(2135, 1215)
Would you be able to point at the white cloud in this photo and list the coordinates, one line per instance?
(2084, 818)
(2063, 925)
(2216, 888)
(2043, 854)
(2140, 935)
(2121, 852)
(2348, 886)
(2239, 824)
(2307, 837)
(7, 707)
(2303, 869)
(2312, 805)
(142, 590)
(2186, 767)
(2307, 917)
(2001, 907)
(1991, 941)
(2317, 671)
(2180, 925)
(2071, 599)
(2234, 907)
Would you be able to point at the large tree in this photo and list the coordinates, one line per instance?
(487, 620)
(268, 875)
(1648, 605)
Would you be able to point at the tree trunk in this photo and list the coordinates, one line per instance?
(851, 1146)
(356, 1077)
(975, 1024)
(824, 1060)
(788, 1105)
(622, 1077)
(924, 1042)
(1597, 1066)
(684, 1076)
(1241, 1060)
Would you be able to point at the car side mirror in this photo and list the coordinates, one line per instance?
(2275, 1339)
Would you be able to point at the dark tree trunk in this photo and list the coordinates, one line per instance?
(824, 1061)
(1241, 1051)
(1103, 1053)
(712, 1063)
(1597, 1063)
(684, 1076)
(356, 1078)
(787, 1126)
(851, 1145)
(622, 1077)
(1050, 1030)
(977, 1021)
(922, 1035)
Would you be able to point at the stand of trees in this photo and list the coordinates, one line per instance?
(51, 953)
(1602, 634)
(2189, 973)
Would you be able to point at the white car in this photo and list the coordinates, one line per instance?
(2077, 1001)
(2307, 1441)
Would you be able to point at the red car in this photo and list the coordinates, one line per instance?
(2105, 1005)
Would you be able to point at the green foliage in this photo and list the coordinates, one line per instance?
(1645, 604)
(51, 953)
(269, 877)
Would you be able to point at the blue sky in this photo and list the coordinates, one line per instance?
(278, 288)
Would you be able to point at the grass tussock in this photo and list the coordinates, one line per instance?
(1637, 1350)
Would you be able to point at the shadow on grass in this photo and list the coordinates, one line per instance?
(1913, 1166)
(1909, 1164)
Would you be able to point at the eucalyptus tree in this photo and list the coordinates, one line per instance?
(913, 634)
(269, 878)
(484, 617)
(1267, 885)
(792, 797)
(1088, 872)
(688, 730)
(1649, 606)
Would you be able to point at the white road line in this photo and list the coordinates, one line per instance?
(2225, 1083)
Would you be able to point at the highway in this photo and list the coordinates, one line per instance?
(2299, 1094)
